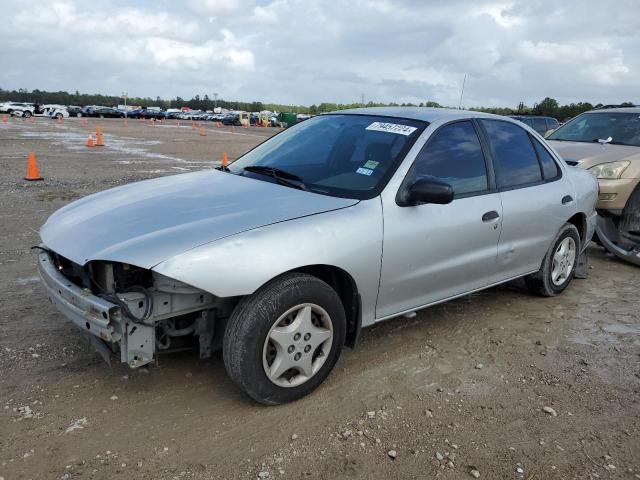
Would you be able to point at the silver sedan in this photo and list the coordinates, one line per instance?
(341, 221)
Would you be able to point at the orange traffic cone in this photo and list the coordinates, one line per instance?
(99, 137)
(126, 122)
(193, 126)
(32, 169)
(90, 143)
(178, 123)
(202, 133)
(218, 125)
(225, 160)
(5, 118)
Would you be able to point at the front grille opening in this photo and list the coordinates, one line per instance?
(73, 272)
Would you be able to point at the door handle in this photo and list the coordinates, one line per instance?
(492, 215)
(567, 199)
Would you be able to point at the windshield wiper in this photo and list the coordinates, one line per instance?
(281, 176)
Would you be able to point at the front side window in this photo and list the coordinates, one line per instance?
(350, 156)
(623, 128)
(453, 155)
(515, 160)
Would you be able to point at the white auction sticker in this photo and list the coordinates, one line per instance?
(392, 128)
(364, 171)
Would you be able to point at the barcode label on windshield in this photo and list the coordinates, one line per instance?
(392, 128)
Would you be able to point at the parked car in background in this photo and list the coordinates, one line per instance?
(146, 113)
(542, 125)
(231, 119)
(74, 111)
(607, 143)
(18, 109)
(174, 114)
(105, 112)
(278, 258)
(58, 113)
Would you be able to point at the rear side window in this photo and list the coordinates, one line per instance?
(516, 162)
(454, 156)
(549, 166)
(540, 125)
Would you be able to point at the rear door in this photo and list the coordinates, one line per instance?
(536, 199)
(433, 252)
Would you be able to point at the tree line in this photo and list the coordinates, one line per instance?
(547, 107)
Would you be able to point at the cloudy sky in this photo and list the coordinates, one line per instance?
(312, 51)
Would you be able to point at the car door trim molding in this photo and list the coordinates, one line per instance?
(453, 297)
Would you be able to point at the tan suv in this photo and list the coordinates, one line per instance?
(607, 143)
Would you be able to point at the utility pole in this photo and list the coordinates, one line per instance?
(462, 91)
(124, 96)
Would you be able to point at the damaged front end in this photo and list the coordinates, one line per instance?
(135, 311)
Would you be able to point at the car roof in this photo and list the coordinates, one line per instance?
(426, 114)
(616, 110)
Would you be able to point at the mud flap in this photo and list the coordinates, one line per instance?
(582, 266)
(606, 230)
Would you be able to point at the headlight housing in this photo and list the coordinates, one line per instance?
(610, 170)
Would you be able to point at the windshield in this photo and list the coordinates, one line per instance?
(623, 128)
(349, 156)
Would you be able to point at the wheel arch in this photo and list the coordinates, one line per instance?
(346, 288)
(579, 220)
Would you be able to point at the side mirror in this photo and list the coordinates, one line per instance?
(425, 190)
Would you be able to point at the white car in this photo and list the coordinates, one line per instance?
(18, 109)
(57, 111)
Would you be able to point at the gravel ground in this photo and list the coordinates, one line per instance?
(499, 384)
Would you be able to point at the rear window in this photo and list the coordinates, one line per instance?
(552, 123)
(515, 160)
(540, 125)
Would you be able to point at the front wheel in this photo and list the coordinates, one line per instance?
(26, 114)
(559, 264)
(284, 340)
(58, 116)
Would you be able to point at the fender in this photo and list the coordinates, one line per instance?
(349, 238)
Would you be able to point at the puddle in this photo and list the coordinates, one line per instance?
(76, 141)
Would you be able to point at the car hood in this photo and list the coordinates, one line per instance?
(148, 222)
(589, 154)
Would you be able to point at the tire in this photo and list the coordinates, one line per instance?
(546, 281)
(101, 115)
(248, 345)
(26, 114)
(58, 116)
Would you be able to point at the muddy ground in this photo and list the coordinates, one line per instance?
(460, 387)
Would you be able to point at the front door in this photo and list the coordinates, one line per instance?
(434, 252)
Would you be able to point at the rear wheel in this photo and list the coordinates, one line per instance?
(283, 341)
(59, 116)
(26, 114)
(558, 265)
